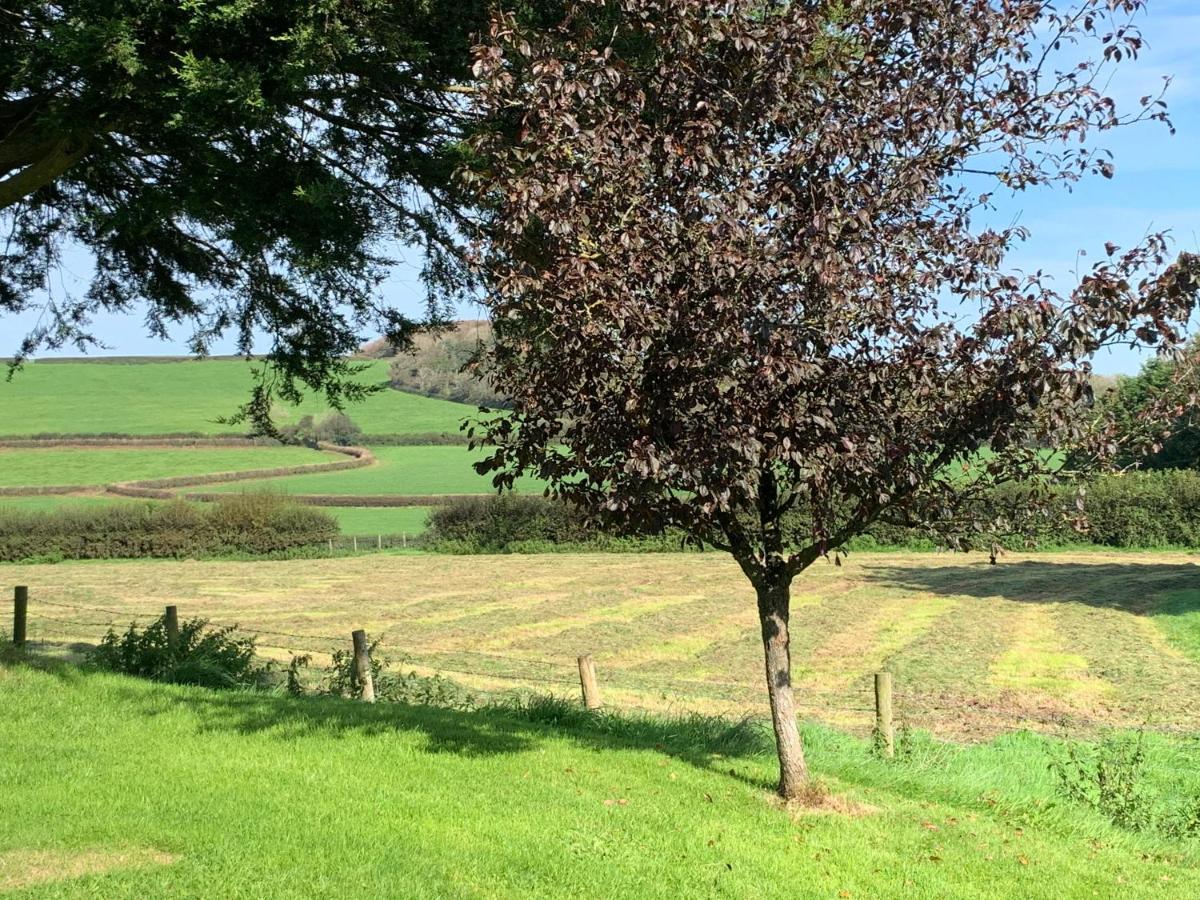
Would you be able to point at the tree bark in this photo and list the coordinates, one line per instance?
(42, 171)
(773, 609)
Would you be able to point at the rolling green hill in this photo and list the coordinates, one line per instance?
(186, 396)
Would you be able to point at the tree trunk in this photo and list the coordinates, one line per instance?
(773, 602)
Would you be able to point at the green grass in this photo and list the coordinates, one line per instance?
(367, 520)
(120, 788)
(400, 470)
(166, 397)
(53, 502)
(1178, 615)
(96, 466)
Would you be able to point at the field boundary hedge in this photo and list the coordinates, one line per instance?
(1155, 510)
(45, 490)
(157, 488)
(249, 524)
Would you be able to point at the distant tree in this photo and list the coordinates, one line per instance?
(738, 285)
(445, 365)
(240, 165)
(336, 427)
(1155, 413)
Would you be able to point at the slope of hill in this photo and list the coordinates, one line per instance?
(174, 396)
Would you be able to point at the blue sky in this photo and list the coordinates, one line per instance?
(1156, 187)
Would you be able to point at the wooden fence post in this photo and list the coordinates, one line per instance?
(587, 681)
(20, 614)
(363, 679)
(379, 542)
(171, 621)
(355, 539)
(404, 539)
(883, 713)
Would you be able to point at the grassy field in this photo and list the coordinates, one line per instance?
(367, 520)
(97, 466)
(119, 788)
(400, 470)
(160, 398)
(1065, 643)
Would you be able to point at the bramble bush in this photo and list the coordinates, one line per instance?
(391, 684)
(209, 657)
(1112, 777)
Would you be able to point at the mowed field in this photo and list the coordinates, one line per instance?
(1058, 642)
(190, 396)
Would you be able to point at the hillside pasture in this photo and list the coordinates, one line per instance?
(143, 398)
(428, 470)
(1057, 642)
(94, 466)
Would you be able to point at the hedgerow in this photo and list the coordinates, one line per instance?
(1136, 510)
(238, 524)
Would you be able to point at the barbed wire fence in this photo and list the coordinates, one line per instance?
(864, 703)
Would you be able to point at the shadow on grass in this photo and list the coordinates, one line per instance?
(1138, 588)
(505, 728)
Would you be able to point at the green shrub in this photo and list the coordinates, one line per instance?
(334, 427)
(391, 685)
(210, 657)
(258, 523)
(493, 523)
(1113, 778)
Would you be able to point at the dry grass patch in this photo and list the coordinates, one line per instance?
(26, 868)
(816, 799)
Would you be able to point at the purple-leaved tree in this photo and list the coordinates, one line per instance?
(740, 277)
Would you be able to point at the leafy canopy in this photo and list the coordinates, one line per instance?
(738, 268)
(239, 165)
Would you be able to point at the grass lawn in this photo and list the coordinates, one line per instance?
(96, 466)
(400, 470)
(160, 398)
(120, 788)
(1064, 643)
